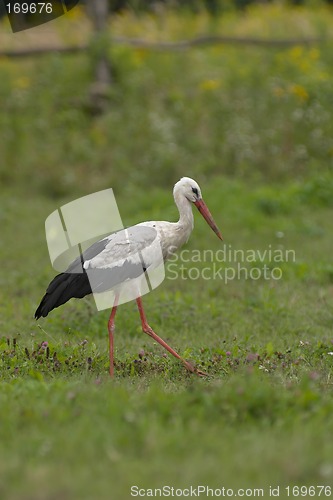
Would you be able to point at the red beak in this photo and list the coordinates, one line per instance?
(203, 209)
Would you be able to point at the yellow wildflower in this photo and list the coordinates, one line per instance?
(139, 55)
(314, 54)
(296, 52)
(209, 85)
(299, 91)
(23, 82)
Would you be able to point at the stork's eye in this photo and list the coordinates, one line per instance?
(195, 191)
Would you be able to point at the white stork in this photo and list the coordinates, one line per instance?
(113, 261)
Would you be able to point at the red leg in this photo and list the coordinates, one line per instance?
(111, 327)
(147, 329)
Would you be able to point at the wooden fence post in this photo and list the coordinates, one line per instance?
(99, 12)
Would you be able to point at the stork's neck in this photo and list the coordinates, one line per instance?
(185, 223)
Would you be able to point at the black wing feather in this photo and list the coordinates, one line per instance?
(76, 283)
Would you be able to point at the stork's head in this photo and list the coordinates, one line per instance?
(190, 189)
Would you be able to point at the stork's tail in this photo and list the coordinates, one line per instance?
(62, 288)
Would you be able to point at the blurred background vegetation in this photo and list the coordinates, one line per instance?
(260, 113)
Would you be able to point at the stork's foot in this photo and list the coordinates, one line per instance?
(191, 368)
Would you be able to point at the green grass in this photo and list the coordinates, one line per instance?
(237, 120)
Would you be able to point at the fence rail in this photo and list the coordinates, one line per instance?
(168, 46)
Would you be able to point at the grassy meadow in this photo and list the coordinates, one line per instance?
(254, 126)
